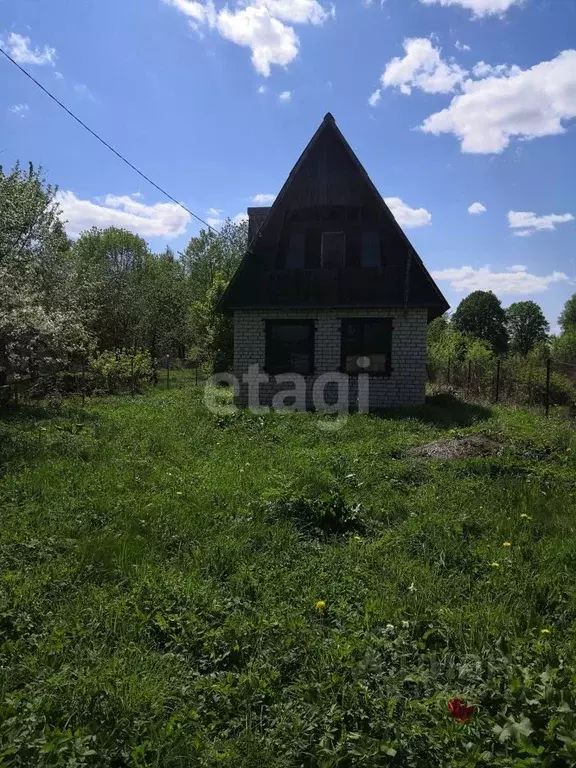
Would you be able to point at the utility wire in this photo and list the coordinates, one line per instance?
(108, 146)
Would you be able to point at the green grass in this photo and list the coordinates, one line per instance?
(160, 568)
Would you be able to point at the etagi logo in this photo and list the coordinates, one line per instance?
(288, 392)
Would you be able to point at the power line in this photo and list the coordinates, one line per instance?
(105, 143)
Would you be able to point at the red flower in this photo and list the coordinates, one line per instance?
(460, 711)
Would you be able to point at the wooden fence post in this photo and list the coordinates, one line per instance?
(548, 371)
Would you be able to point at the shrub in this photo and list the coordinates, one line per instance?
(122, 369)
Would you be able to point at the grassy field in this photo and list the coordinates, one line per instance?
(184, 589)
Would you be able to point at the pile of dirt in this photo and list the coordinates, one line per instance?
(463, 447)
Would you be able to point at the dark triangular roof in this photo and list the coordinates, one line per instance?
(329, 173)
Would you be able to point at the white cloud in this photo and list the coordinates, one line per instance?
(526, 223)
(214, 211)
(524, 103)
(476, 208)
(270, 41)
(158, 220)
(285, 96)
(515, 280)
(478, 7)
(58, 75)
(375, 97)
(518, 268)
(406, 216)
(263, 199)
(481, 70)
(462, 46)
(262, 26)
(240, 217)
(19, 109)
(262, 89)
(422, 67)
(21, 50)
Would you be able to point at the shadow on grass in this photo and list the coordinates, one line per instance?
(444, 411)
(33, 412)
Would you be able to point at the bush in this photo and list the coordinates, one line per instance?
(122, 369)
(527, 384)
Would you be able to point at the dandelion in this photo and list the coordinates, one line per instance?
(495, 565)
(320, 606)
(524, 516)
(357, 538)
(545, 631)
(459, 711)
(507, 544)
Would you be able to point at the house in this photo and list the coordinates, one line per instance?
(330, 284)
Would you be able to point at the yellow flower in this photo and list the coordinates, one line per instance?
(495, 565)
(507, 544)
(545, 631)
(357, 538)
(524, 516)
(320, 606)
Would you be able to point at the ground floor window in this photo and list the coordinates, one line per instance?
(367, 346)
(289, 346)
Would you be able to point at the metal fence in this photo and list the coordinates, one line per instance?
(78, 380)
(516, 381)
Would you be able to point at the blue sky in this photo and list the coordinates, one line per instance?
(447, 103)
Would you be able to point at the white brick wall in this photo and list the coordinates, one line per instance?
(405, 385)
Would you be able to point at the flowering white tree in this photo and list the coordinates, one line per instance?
(40, 322)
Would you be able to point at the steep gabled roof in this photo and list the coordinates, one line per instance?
(328, 172)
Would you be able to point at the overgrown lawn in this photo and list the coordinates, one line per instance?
(161, 569)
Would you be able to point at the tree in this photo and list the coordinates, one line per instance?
(210, 253)
(110, 267)
(481, 315)
(568, 315)
(212, 332)
(564, 347)
(41, 322)
(526, 326)
(166, 304)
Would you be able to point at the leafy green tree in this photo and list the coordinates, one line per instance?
(166, 305)
(526, 326)
(110, 267)
(481, 315)
(568, 315)
(41, 323)
(564, 347)
(208, 253)
(212, 332)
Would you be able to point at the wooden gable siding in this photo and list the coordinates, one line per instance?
(329, 174)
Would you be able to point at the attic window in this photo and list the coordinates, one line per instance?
(296, 255)
(371, 253)
(333, 249)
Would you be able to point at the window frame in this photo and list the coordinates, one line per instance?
(378, 238)
(268, 330)
(342, 233)
(345, 323)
